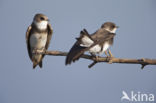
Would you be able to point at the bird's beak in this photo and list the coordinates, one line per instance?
(48, 20)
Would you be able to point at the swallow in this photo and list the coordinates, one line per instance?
(38, 36)
(96, 43)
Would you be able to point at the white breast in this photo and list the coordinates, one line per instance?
(97, 49)
(38, 40)
(41, 25)
(105, 47)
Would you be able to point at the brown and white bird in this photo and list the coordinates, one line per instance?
(97, 43)
(38, 38)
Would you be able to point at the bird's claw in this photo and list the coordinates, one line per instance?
(38, 51)
(143, 59)
(109, 59)
(111, 55)
(34, 51)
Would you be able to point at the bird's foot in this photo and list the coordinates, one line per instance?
(97, 57)
(34, 51)
(143, 59)
(110, 54)
(109, 59)
(37, 51)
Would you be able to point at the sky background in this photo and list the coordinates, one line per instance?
(57, 83)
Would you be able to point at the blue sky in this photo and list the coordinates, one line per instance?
(58, 83)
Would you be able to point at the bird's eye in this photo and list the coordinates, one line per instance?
(113, 26)
(42, 18)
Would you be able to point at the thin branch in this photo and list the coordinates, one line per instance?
(91, 65)
(95, 60)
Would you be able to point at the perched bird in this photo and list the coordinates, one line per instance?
(38, 38)
(96, 44)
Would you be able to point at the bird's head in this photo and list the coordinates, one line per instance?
(109, 26)
(41, 21)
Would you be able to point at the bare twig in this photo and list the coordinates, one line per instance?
(91, 65)
(95, 60)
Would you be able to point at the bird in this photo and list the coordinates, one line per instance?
(96, 43)
(38, 37)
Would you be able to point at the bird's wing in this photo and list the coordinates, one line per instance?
(75, 52)
(101, 40)
(83, 42)
(85, 39)
(27, 41)
(96, 41)
(50, 32)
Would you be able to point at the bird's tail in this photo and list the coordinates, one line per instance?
(83, 42)
(34, 64)
(74, 54)
(37, 60)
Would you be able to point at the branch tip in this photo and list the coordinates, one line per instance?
(143, 65)
(92, 64)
